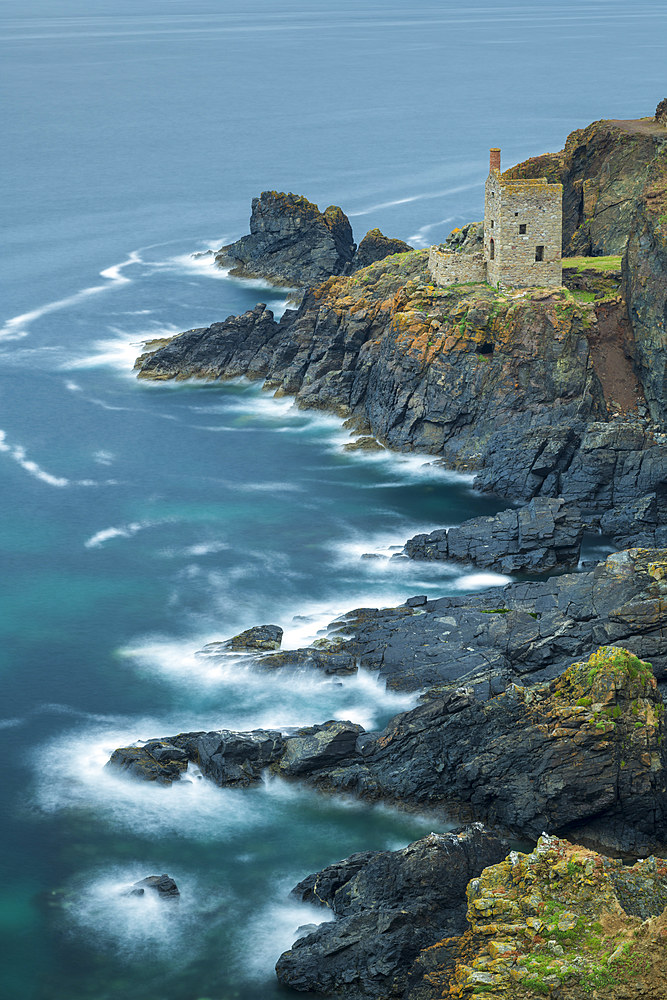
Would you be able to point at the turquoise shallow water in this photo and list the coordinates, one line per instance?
(141, 521)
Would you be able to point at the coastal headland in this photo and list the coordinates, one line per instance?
(541, 710)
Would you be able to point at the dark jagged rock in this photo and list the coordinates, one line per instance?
(535, 539)
(376, 246)
(582, 753)
(316, 747)
(329, 661)
(259, 638)
(291, 242)
(156, 760)
(223, 350)
(661, 112)
(228, 758)
(645, 286)
(163, 885)
(641, 523)
(389, 906)
(503, 384)
(530, 630)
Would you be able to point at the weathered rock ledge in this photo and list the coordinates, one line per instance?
(561, 921)
(541, 536)
(583, 752)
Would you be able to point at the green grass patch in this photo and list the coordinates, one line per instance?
(612, 263)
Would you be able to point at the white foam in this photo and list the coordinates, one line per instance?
(104, 457)
(11, 723)
(274, 929)
(106, 534)
(18, 454)
(145, 926)
(480, 581)
(19, 326)
(262, 699)
(205, 548)
(121, 351)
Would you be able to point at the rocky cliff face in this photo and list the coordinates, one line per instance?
(645, 271)
(604, 169)
(583, 752)
(505, 383)
(389, 906)
(292, 243)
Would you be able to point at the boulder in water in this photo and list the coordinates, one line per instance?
(163, 885)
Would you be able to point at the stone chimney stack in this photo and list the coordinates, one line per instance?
(494, 159)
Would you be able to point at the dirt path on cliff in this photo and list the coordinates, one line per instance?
(609, 342)
(642, 126)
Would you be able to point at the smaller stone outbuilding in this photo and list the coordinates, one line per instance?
(523, 231)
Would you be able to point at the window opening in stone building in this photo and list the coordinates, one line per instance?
(539, 253)
(492, 249)
(491, 223)
(522, 228)
(515, 214)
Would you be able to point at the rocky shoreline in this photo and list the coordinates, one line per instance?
(541, 702)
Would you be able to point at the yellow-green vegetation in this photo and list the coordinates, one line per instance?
(559, 921)
(608, 682)
(612, 263)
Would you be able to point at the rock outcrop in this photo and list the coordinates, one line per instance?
(259, 638)
(389, 906)
(520, 633)
(162, 885)
(291, 242)
(583, 752)
(228, 758)
(502, 383)
(539, 537)
(563, 922)
(603, 169)
(239, 759)
(641, 523)
(376, 246)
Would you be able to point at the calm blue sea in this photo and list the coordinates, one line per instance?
(140, 521)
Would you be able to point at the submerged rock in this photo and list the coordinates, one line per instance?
(537, 538)
(389, 905)
(291, 242)
(163, 885)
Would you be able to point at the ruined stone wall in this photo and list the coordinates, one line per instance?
(450, 268)
(519, 218)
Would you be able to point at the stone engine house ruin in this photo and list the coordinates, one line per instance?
(523, 232)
